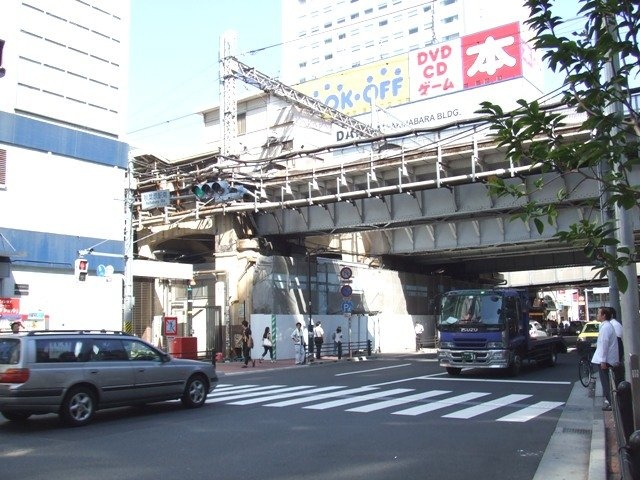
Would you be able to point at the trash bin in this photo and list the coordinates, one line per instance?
(185, 347)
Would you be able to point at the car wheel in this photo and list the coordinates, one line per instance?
(454, 371)
(16, 416)
(195, 392)
(516, 365)
(78, 407)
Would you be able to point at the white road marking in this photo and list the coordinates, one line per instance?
(530, 412)
(486, 407)
(283, 395)
(360, 398)
(253, 393)
(397, 401)
(429, 407)
(322, 396)
(372, 370)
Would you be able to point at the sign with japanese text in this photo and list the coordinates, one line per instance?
(157, 199)
(474, 60)
(470, 61)
(9, 306)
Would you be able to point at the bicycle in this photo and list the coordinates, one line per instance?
(585, 371)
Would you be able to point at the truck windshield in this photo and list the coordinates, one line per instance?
(471, 308)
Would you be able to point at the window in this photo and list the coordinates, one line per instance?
(139, 351)
(450, 19)
(368, 11)
(450, 37)
(328, 56)
(328, 24)
(342, 36)
(354, 16)
(327, 40)
(107, 350)
(413, 30)
(382, 23)
(60, 350)
(242, 122)
(448, 2)
(340, 20)
(302, 64)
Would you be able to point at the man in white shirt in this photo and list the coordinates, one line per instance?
(606, 354)
(318, 338)
(298, 341)
(617, 326)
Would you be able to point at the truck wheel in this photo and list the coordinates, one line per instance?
(553, 357)
(516, 365)
(454, 371)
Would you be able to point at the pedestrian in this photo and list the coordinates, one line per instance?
(318, 338)
(310, 343)
(337, 338)
(419, 329)
(298, 341)
(247, 344)
(15, 327)
(267, 344)
(606, 354)
(617, 326)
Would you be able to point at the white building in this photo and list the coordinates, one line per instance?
(62, 160)
(321, 37)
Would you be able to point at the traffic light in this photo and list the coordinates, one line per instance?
(81, 268)
(220, 191)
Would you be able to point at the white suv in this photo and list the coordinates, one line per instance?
(76, 373)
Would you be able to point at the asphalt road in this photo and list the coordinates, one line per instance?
(389, 418)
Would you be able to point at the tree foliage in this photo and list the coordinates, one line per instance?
(599, 64)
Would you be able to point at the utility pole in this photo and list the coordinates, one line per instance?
(128, 298)
(624, 233)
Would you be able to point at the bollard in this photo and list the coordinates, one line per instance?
(634, 453)
(625, 407)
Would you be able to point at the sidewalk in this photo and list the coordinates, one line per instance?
(231, 368)
(583, 445)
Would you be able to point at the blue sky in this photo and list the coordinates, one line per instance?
(174, 60)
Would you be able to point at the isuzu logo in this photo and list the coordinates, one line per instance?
(467, 329)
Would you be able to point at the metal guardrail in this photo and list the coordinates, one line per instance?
(349, 349)
(627, 438)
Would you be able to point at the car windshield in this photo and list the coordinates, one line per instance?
(591, 328)
(471, 308)
(9, 351)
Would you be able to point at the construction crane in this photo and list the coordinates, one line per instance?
(232, 69)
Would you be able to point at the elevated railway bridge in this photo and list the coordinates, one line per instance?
(414, 200)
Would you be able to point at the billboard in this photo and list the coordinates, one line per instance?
(467, 62)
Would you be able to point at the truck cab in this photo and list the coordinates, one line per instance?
(489, 328)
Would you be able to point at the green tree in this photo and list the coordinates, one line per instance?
(597, 63)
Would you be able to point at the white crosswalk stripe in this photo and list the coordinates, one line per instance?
(322, 396)
(397, 401)
(530, 412)
(375, 398)
(256, 393)
(430, 407)
(279, 396)
(358, 399)
(486, 407)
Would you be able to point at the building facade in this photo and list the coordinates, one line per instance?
(322, 37)
(63, 161)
